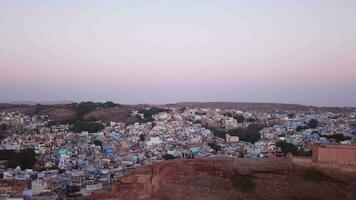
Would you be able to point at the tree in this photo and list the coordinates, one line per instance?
(98, 143)
(168, 157)
(291, 148)
(109, 104)
(91, 127)
(239, 118)
(25, 158)
(287, 147)
(338, 137)
(142, 137)
(244, 183)
(250, 134)
(313, 123)
(85, 107)
(214, 146)
(291, 115)
(250, 119)
(3, 127)
(299, 128)
(314, 175)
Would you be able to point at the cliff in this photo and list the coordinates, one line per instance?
(212, 179)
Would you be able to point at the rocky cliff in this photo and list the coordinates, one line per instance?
(211, 179)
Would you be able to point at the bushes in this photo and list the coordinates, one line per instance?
(148, 113)
(239, 118)
(313, 175)
(98, 143)
(250, 134)
(338, 137)
(214, 146)
(3, 127)
(91, 127)
(25, 158)
(168, 157)
(291, 148)
(313, 123)
(142, 137)
(244, 183)
(6, 154)
(85, 107)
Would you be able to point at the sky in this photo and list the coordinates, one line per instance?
(295, 51)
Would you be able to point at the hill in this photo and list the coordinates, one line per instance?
(230, 179)
(109, 111)
(68, 113)
(266, 107)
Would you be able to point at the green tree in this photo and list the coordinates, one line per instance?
(142, 137)
(239, 118)
(98, 143)
(214, 146)
(85, 107)
(25, 158)
(244, 183)
(313, 123)
(287, 147)
(250, 134)
(91, 127)
(7, 154)
(109, 104)
(291, 115)
(3, 127)
(168, 157)
(314, 175)
(291, 148)
(338, 137)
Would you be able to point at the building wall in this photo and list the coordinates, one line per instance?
(344, 155)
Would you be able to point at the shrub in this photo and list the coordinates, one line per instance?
(3, 127)
(168, 157)
(85, 107)
(142, 137)
(313, 175)
(91, 127)
(25, 158)
(239, 118)
(313, 123)
(244, 183)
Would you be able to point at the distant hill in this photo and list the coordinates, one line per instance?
(67, 112)
(267, 107)
(39, 102)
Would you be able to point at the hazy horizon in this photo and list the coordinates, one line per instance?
(300, 52)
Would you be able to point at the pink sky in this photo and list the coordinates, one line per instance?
(166, 51)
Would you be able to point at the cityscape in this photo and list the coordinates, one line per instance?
(177, 100)
(67, 160)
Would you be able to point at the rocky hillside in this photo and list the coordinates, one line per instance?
(67, 113)
(229, 178)
(265, 107)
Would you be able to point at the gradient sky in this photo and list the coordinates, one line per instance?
(301, 51)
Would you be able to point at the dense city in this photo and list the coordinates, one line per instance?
(43, 160)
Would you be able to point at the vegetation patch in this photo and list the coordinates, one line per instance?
(25, 158)
(168, 157)
(250, 134)
(91, 127)
(291, 148)
(244, 183)
(338, 137)
(314, 175)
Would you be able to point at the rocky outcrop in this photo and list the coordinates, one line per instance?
(145, 182)
(210, 179)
